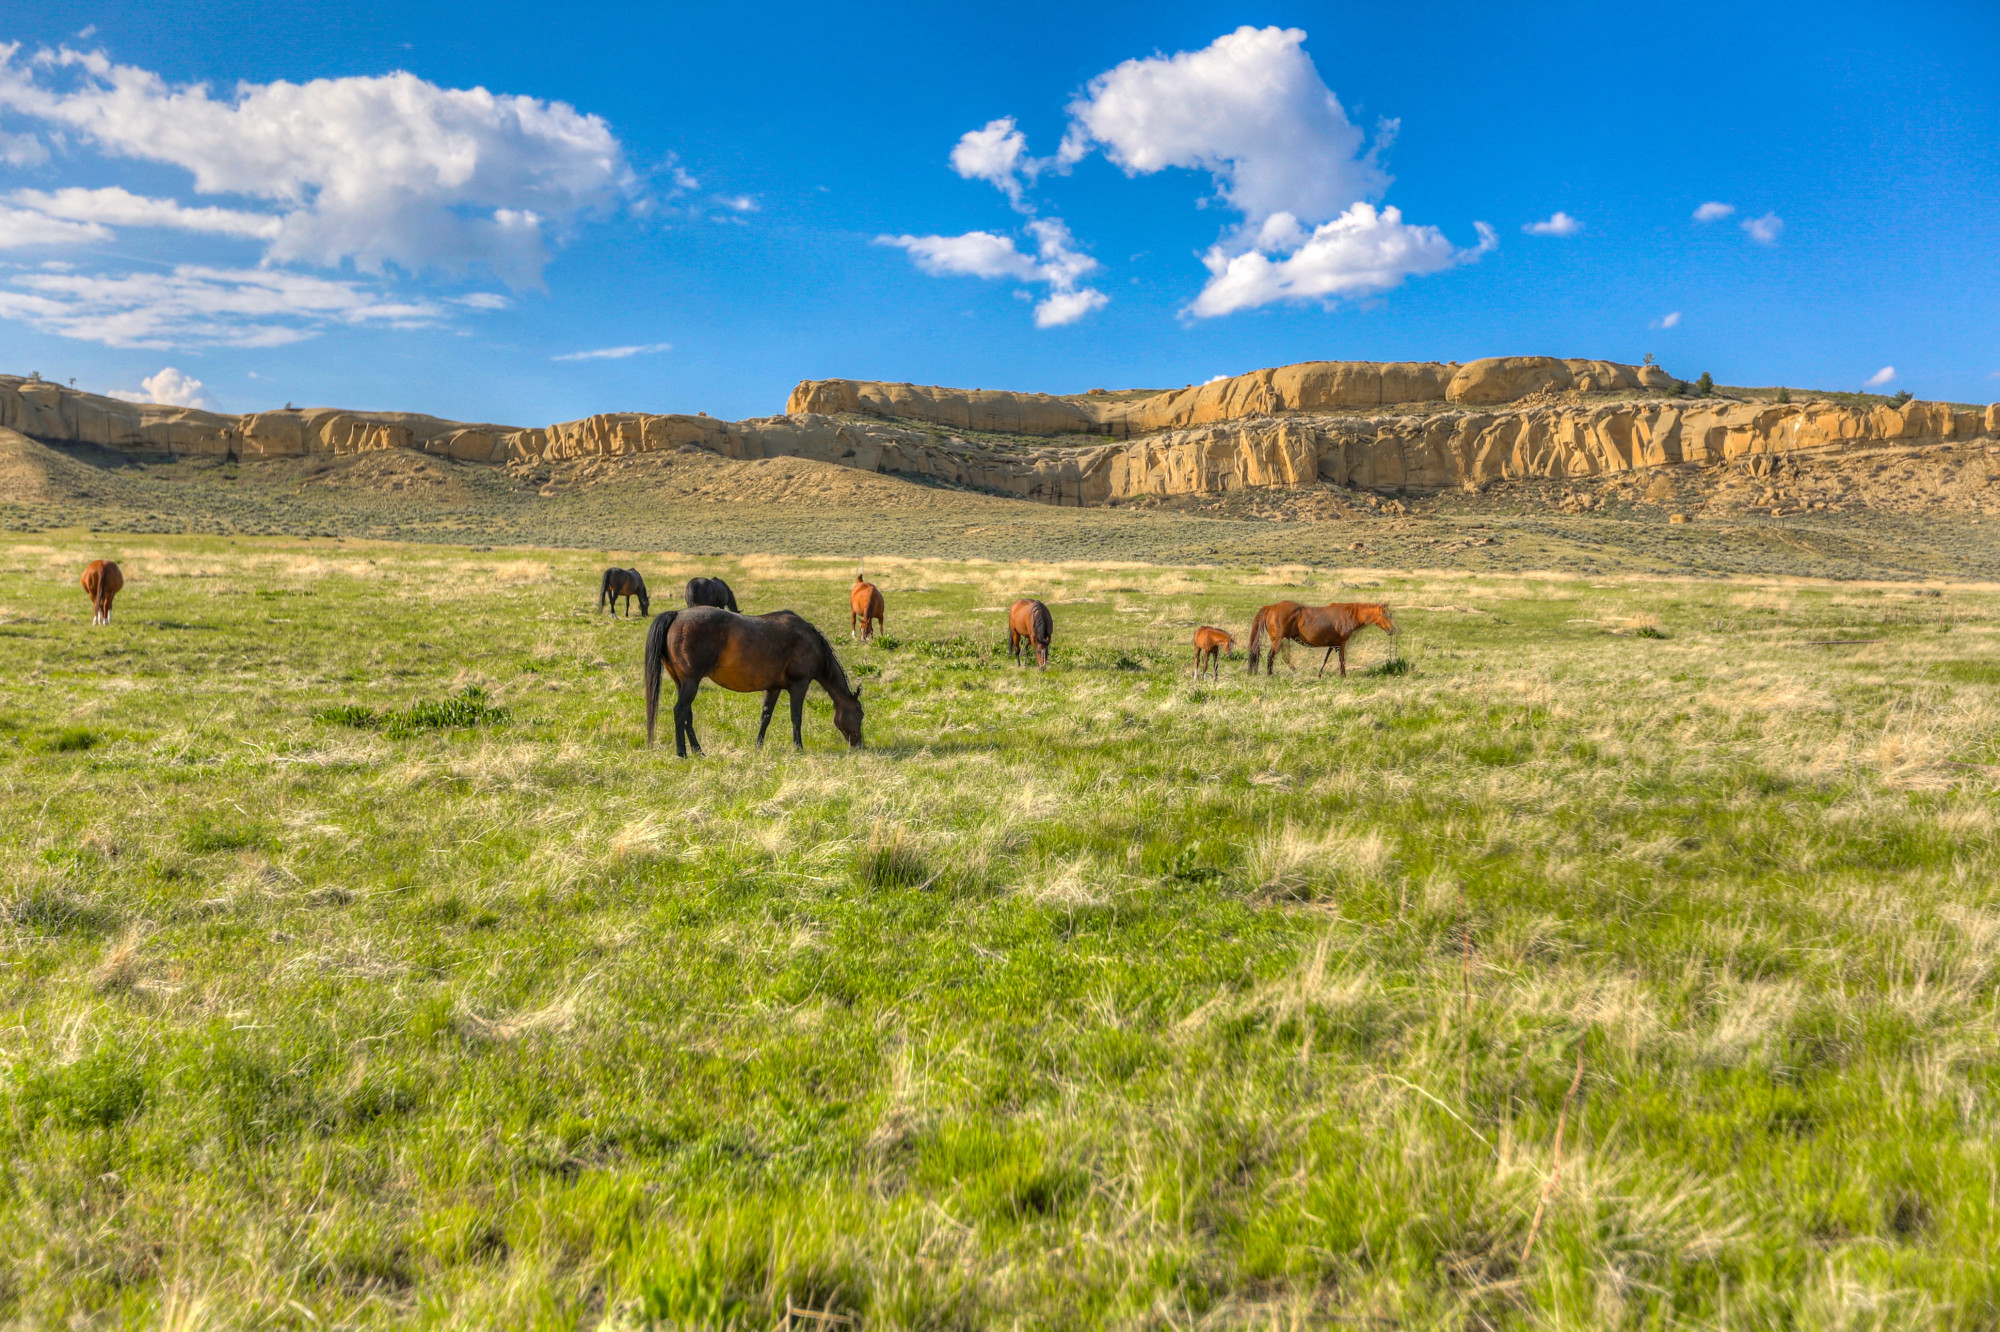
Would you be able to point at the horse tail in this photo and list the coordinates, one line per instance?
(604, 588)
(729, 595)
(1256, 634)
(656, 656)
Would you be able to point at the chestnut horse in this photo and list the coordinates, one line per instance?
(1029, 625)
(101, 580)
(744, 653)
(710, 592)
(1211, 643)
(1328, 626)
(866, 599)
(624, 583)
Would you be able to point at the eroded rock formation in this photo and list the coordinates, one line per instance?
(1310, 386)
(1322, 421)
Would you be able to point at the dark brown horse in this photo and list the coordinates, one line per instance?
(1211, 643)
(744, 653)
(101, 580)
(1029, 625)
(710, 592)
(866, 599)
(1328, 626)
(624, 583)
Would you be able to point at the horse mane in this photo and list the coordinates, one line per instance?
(1045, 623)
(833, 669)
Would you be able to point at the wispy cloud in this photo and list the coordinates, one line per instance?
(1764, 230)
(122, 208)
(1667, 321)
(1880, 377)
(742, 203)
(985, 254)
(1557, 224)
(615, 353)
(195, 305)
(1713, 211)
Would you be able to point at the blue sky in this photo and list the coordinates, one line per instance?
(755, 194)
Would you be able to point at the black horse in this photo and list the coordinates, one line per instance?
(710, 592)
(624, 583)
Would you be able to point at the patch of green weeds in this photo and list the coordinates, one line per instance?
(72, 740)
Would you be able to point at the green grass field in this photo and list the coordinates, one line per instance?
(364, 969)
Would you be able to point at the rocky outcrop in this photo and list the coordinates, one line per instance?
(58, 415)
(1310, 386)
(1446, 448)
(1322, 421)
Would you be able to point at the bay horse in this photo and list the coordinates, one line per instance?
(1212, 644)
(1029, 625)
(1328, 626)
(624, 583)
(101, 581)
(744, 653)
(710, 592)
(866, 600)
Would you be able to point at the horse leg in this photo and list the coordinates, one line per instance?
(1343, 661)
(684, 737)
(1329, 656)
(770, 706)
(799, 714)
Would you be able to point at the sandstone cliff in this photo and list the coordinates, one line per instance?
(1291, 426)
(1311, 386)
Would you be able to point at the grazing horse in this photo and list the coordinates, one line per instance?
(744, 653)
(624, 583)
(101, 580)
(710, 592)
(1029, 625)
(1328, 626)
(866, 599)
(1212, 643)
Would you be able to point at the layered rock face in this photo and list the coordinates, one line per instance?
(58, 415)
(1295, 425)
(1311, 386)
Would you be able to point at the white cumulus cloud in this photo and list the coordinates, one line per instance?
(191, 305)
(615, 353)
(1766, 229)
(377, 171)
(985, 254)
(1359, 253)
(1251, 111)
(1249, 108)
(1880, 377)
(998, 155)
(119, 207)
(1557, 224)
(169, 387)
(1713, 211)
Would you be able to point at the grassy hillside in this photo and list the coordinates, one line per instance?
(1890, 511)
(363, 968)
